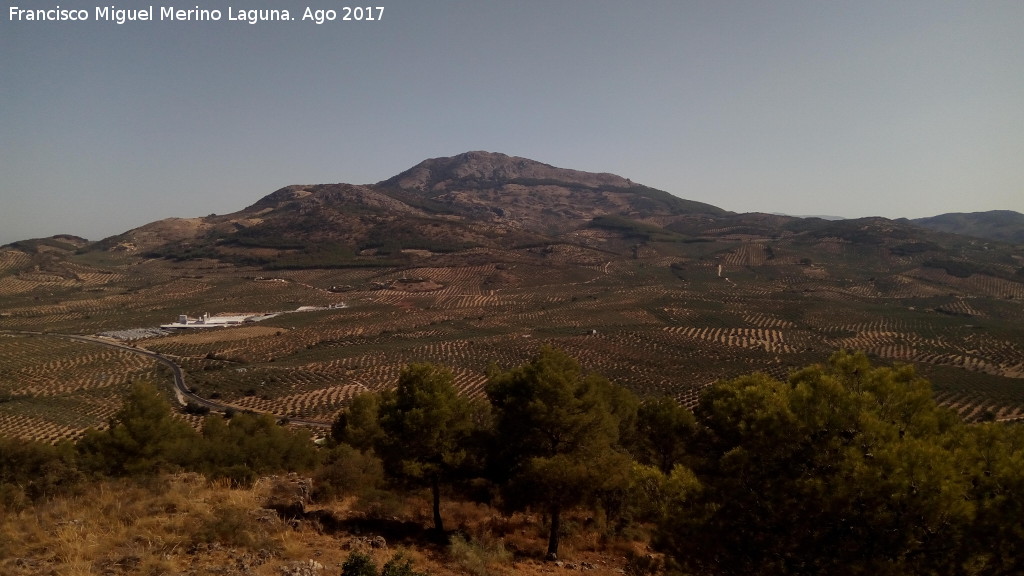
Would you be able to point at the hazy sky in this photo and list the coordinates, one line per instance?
(890, 108)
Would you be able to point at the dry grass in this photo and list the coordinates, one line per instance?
(175, 525)
(184, 524)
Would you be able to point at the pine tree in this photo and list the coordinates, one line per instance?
(557, 435)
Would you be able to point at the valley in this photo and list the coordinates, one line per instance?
(480, 259)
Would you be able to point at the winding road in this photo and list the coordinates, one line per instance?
(181, 391)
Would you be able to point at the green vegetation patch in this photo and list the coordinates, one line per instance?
(633, 228)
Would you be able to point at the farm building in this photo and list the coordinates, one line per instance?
(207, 321)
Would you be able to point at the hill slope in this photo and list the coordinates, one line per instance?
(999, 225)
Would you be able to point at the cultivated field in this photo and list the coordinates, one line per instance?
(658, 319)
(52, 388)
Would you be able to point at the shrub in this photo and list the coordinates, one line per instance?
(642, 565)
(399, 565)
(347, 471)
(248, 446)
(143, 439)
(478, 557)
(358, 564)
(231, 526)
(31, 471)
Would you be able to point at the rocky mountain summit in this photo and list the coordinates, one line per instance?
(440, 174)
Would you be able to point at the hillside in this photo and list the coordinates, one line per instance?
(184, 524)
(999, 225)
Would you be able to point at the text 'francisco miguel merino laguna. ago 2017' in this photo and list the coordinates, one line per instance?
(196, 14)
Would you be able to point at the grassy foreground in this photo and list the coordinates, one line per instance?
(185, 524)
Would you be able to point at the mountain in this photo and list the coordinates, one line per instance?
(441, 205)
(485, 206)
(999, 225)
(536, 196)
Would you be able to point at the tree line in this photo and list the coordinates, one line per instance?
(843, 468)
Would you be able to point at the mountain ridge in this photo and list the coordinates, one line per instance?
(998, 225)
(494, 167)
(496, 201)
(444, 204)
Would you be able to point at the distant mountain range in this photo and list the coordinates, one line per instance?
(822, 216)
(491, 201)
(999, 225)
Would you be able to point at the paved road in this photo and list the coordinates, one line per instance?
(181, 391)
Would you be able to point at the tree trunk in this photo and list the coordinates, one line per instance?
(436, 489)
(556, 512)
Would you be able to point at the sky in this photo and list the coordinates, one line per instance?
(906, 108)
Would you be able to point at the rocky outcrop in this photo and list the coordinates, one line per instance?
(287, 495)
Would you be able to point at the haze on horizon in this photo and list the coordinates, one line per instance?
(906, 109)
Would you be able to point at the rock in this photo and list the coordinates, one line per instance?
(362, 543)
(287, 495)
(307, 568)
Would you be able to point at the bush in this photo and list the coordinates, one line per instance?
(143, 439)
(642, 565)
(358, 564)
(231, 526)
(32, 471)
(399, 565)
(248, 446)
(478, 557)
(346, 472)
